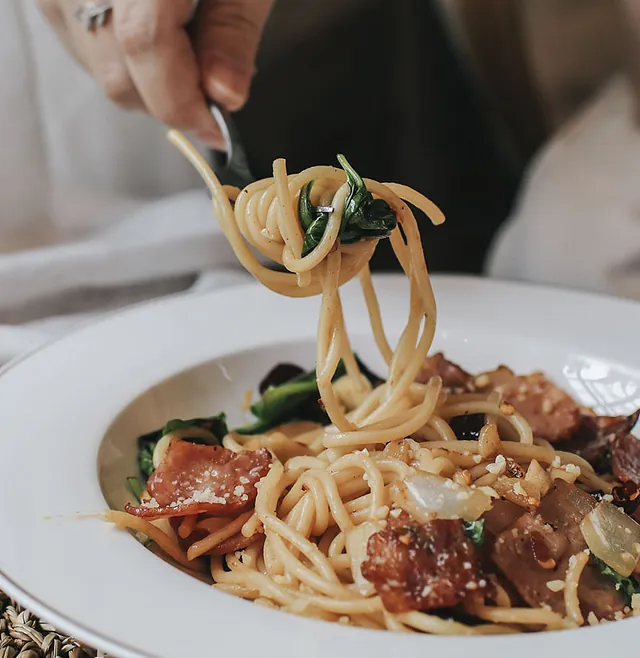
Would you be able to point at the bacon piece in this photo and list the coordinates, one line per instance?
(551, 412)
(536, 549)
(502, 514)
(196, 478)
(416, 566)
(454, 378)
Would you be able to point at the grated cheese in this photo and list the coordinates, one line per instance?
(498, 467)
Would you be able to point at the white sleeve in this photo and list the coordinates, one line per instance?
(23, 163)
(577, 220)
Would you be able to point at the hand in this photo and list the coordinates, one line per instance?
(143, 57)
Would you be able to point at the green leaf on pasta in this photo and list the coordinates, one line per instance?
(627, 586)
(295, 399)
(475, 531)
(364, 216)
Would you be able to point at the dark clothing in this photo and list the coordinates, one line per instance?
(385, 88)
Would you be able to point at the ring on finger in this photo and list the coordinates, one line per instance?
(93, 15)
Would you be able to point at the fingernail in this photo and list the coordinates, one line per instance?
(225, 91)
(209, 138)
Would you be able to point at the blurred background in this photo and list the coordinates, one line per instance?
(452, 97)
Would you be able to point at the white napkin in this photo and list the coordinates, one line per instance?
(577, 220)
(161, 247)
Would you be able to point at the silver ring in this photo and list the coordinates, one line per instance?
(93, 14)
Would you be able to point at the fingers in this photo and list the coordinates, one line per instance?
(143, 57)
(97, 51)
(101, 55)
(227, 38)
(160, 60)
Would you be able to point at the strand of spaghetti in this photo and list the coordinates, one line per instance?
(373, 307)
(279, 529)
(432, 624)
(166, 543)
(514, 419)
(249, 578)
(331, 496)
(202, 546)
(576, 566)
(187, 526)
(330, 586)
(524, 616)
(413, 423)
(419, 200)
(442, 428)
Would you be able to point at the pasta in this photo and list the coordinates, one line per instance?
(404, 508)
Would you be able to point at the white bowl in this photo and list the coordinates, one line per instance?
(70, 414)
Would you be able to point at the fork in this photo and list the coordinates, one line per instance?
(231, 165)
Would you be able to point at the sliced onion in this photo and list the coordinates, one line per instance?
(613, 537)
(426, 496)
(161, 448)
(356, 544)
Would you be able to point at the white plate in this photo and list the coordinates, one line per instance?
(70, 413)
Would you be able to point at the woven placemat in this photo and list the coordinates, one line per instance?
(23, 635)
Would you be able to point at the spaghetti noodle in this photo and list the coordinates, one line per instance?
(390, 476)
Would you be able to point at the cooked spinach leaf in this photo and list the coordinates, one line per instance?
(294, 399)
(135, 487)
(312, 220)
(475, 531)
(628, 586)
(364, 217)
(286, 402)
(146, 446)
(217, 425)
(279, 374)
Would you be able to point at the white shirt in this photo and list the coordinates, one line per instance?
(577, 219)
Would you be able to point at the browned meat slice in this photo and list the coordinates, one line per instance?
(595, 435)
(536, 549)
(454, 378)
(196, 478)
(502, 514)
(552, 414)
(563, 508)
(423, 566)
(625, 458)
(531, 554)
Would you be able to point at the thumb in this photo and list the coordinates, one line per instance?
(228, 33)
